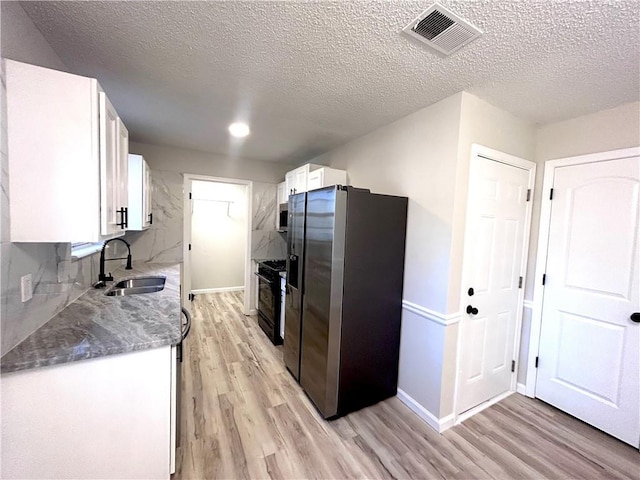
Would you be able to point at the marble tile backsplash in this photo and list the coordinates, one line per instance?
(57, 281)
(162, 241)
(266, 242)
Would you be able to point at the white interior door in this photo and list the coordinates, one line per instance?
(589, 347)
(496, 238)
(186, 260)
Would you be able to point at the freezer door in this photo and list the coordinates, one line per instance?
(322, 301)
(293, 297)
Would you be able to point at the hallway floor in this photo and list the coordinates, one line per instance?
(244, 416)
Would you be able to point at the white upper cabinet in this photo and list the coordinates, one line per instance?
(67, 157)
(282, 196)
(140, 216)
(300, 184)
(310, 176)
(290, 182)
(324, 177)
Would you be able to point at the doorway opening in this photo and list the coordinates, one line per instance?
(217, 236)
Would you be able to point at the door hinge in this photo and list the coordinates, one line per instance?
(513, 365)
(551, 194)
(528, 195)
(537, 358)
(189, 195)
(520, 283)
(544, 278)
(189, 246)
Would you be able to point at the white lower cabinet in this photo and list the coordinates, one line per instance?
(67, 152)
(108, 417)
(140, 215)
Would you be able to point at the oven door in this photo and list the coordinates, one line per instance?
(266, 300)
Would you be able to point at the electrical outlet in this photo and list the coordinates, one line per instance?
(26, 287)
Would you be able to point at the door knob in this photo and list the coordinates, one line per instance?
(472, 310)
(635, 317)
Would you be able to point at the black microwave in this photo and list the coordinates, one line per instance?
(283, 217)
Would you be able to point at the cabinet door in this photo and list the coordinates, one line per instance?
(108, 167)
(146, 194)
(282, 196)
(122, 170)
(315, 179)
(290, 180)
(301, 179)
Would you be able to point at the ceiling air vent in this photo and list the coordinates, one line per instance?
(441, 29)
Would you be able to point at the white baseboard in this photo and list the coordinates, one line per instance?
(521, 388)
(217, 290)
(438, 424)
(253, 311)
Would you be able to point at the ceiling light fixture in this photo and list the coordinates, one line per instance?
(239, 129)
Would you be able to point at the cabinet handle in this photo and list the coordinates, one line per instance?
(124, 218)
(151, 219)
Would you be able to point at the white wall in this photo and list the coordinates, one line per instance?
(218, 235)
(22, 41)
(172, 159)
(599, 132)
(414, 157)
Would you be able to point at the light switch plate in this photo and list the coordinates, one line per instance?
(26, 287)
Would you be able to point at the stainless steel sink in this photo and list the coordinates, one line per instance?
(141, 282)
(134, 286)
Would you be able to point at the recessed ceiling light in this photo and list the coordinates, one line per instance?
(239, 129)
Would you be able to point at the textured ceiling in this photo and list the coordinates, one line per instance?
(309, 76)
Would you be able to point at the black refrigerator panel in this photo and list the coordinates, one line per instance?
(353, 275)
(372, 299)
(322, 301)
(294, 286)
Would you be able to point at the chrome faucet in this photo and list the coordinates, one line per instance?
(102, 278)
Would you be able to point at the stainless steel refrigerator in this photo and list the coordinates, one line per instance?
(345, 268)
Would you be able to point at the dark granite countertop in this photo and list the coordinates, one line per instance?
(96, 325)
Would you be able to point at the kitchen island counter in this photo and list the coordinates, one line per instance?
(96, 325)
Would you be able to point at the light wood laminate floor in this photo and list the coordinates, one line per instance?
(244, 416)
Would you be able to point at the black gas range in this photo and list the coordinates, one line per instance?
(269, 298)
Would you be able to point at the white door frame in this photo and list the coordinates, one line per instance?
(497, 156)
(543, 248)
(188, 178)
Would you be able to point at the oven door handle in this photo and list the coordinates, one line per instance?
(262, 277)
(187, 315)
